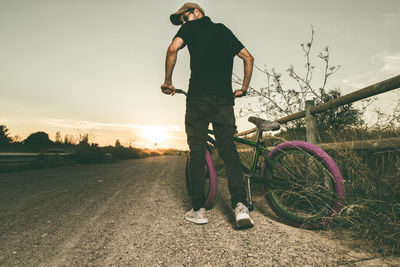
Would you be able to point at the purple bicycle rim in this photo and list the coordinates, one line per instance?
(212, 191)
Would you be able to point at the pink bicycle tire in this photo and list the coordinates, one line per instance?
(329, 164)
(212, 188)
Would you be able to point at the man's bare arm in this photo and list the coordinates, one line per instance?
(170, 60)
(248, 61)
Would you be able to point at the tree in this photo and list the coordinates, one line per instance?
(84, 140)
(274, 101)
(58, 138)
(118, 143)
(37, 140)
(4, 136)
(16, 139)
(69, 140)
(338, 118)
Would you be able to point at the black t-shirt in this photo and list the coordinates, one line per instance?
(212, 47)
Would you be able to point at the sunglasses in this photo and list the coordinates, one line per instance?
(186, 17)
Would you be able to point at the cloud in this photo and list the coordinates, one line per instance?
(393, 16)
(88, 125)
(390, 67)
(74, 124)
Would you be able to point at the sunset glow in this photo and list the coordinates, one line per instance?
(90, 75)
(155, 134)
(164, 136)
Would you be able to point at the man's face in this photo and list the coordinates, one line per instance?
(189, 15)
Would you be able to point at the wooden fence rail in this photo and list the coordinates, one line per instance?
(376, 144)
(384, 144)
(372, 90)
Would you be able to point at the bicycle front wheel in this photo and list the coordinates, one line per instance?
(210, 187)
(303, 185)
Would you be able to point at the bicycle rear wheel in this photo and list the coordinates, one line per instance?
(210, 188)
(303, 185)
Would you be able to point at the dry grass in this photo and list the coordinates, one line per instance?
(372, 184)
(372, 209)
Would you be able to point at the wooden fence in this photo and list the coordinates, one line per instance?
(372, 90)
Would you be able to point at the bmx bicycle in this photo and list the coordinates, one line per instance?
(301, 183)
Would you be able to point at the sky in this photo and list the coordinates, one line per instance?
(96, 66)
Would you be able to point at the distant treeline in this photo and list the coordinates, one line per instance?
(73, 149)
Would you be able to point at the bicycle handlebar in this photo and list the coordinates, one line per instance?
(180, 91)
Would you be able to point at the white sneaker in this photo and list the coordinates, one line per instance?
(197, 217)
(243, 219)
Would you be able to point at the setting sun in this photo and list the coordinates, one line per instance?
(149, 135)
(155, 134)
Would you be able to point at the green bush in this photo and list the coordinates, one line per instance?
(120, 152)
(37, 141)
(89, 154)
(5, 138)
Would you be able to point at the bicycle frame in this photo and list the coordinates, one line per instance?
(259, 146)
(252, 174)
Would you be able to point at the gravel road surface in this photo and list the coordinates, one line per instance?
(131, 214)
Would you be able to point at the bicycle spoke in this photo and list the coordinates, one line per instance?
(303, 191)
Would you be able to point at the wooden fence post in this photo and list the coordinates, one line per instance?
(311, 123)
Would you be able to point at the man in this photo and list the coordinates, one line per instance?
(212, 47)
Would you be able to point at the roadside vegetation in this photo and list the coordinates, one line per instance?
(68, 151)
(371, 209)
(371, 180)
(372, 177)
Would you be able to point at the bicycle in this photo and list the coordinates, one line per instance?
(301, 183)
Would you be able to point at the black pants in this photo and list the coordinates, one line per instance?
(200, 111)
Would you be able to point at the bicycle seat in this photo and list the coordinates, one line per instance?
(264, 125)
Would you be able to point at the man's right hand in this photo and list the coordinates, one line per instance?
(168, 89)
(239, 93)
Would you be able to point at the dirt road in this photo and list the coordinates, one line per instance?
(131, 213)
